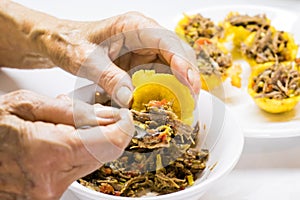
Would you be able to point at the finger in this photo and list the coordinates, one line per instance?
(106, 115)
(182, 61)
(176, 53)
(116, 82)
(107, 143)
(33, 107)
(186, 73)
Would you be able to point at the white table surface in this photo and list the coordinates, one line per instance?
(268, 168)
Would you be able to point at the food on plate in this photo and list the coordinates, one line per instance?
(238, 27)
(253, 39)
(275, 87)
(257, 40)
(192, 27)
(214, 61)
(162, 156)
(215, 64)
(269, 45)
(297, 61)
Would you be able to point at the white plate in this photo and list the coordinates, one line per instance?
(255, 122)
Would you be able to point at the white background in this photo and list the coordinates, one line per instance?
(268, 168)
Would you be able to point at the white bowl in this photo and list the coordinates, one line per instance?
(224, 140)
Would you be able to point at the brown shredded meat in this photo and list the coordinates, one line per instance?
(160, 159)
(297, 60)
(132, 183)
(212, 60)
(200, 26)
(251, 23)
(277, 82)
(267, 46)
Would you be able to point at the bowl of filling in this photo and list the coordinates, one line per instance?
(181, 146)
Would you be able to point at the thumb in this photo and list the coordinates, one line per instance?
(99, 68)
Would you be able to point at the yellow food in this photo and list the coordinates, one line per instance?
(215, 64)
(268, 104)
(192, 27)
(237, 31)
(210, 82)
(157, 86)
(251, 38)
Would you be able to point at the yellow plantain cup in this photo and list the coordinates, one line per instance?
(158, 86)
(267, 104)
(237, 34)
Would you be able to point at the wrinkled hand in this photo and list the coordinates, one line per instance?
(125, 41)
(42, 152)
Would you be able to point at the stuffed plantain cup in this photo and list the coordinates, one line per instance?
(238, 27)
(192, 27)
(269, 45)
(215, 64)
(150, 85)
(275, 87)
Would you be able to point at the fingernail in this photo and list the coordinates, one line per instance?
(191, 76)
(124, 95)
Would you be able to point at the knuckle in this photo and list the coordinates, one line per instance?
(19, 103)
(22, 102)
(109, 79)
(16, 97)
(11, 136)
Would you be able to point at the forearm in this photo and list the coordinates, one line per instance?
(31, 39)
(17, 48)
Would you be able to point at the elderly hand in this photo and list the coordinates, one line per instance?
(42, 152)
(103, 50)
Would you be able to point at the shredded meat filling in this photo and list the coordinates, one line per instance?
(200, 26)
(172, 178)
(212, 60)
(267, 46)
(251, 23)
(277, 82)
(163, 160)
